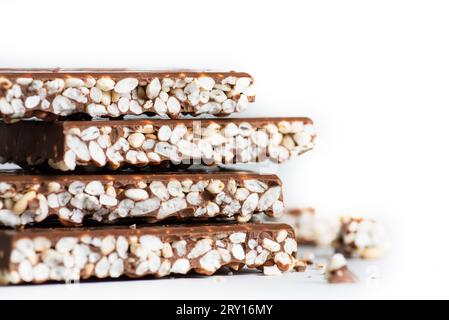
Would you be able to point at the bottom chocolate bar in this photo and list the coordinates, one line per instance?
(72, 254)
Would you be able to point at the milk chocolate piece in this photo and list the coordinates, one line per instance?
(75, 199)
(300, 266)
(71, 144)
(53, 94)
(338, 271)
(73, 254)
(361, 238)
(342, 275)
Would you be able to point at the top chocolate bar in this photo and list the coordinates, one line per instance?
(58, 93)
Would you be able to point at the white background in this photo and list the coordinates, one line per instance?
(374, 75)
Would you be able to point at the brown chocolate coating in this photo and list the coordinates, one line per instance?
(167, 232)
(342, 275)
(114, 74)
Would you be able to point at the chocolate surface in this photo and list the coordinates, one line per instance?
(342, 275)
(116, 74)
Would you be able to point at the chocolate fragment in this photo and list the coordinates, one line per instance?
(138, 143)
(342, 275)
(338, 271)
(58, 94)
(300, 266)
(73, 199)
(73, 254)
(361, 238)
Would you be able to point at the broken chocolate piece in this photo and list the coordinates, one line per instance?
(338, 272)
(361, 238)
(300, 266)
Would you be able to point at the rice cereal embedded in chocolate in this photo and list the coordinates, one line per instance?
(75, 199)
(138, 143)
(69, 254)
(53, 94)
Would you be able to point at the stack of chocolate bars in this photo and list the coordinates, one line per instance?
(107, 189)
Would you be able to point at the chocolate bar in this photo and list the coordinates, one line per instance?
(70, 144)
(73, 254)
(53, 94)
(361, 238)
(73, 199)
